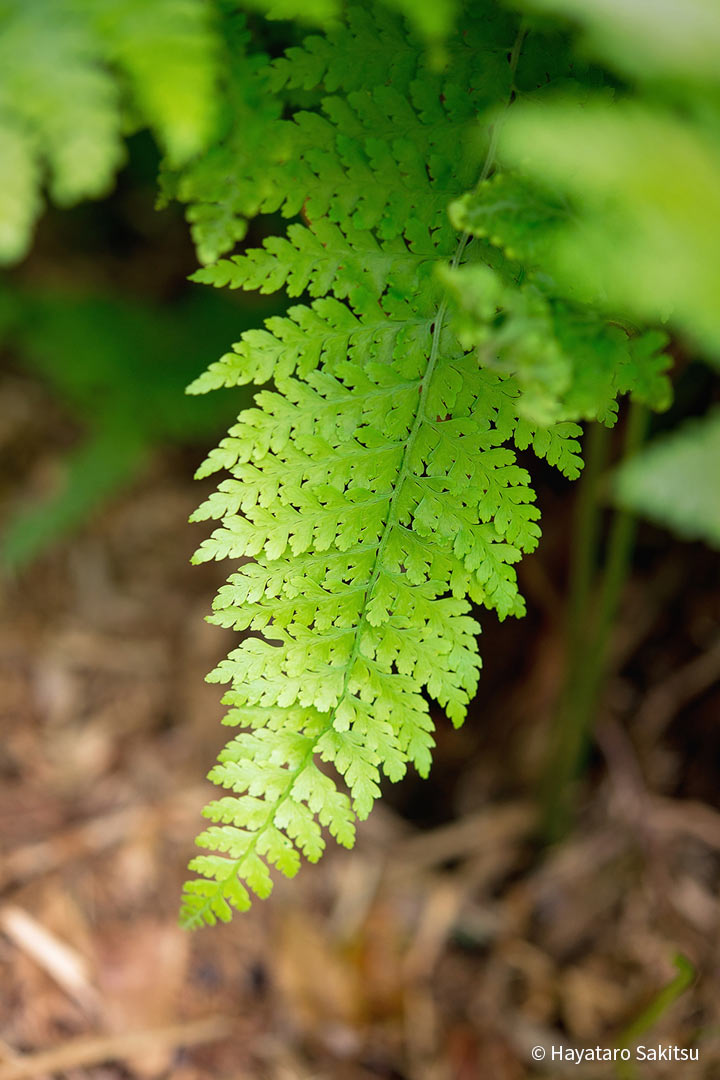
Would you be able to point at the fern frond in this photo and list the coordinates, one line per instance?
(374, 486)
(655, 482)
(677, 41)
(569, 360)
(632, 243)
(432, 18)
(386, 130)
(370, 486)
(66, 68)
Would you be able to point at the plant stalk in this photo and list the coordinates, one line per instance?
(593, 601)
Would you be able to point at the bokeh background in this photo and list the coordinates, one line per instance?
(454, 938)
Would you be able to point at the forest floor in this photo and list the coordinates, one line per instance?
(449, 943)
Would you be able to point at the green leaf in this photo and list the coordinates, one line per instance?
(675, 481)
(68, 70)
(674, 38)
(643, 238)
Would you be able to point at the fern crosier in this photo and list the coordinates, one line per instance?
(373, 487)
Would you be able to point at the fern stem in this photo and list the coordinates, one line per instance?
(621, 540)
(567, 735)
(588, 630)
(496, 128)
(585, 545)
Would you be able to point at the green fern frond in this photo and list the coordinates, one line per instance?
(655, 482)
(570, 361)
(642, 238)
(386, 117)
(374, 486)
(167, 51)
(434, 19)
(68, 70)
(649, 40)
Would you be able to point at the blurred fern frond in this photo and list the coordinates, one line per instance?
(75, 77)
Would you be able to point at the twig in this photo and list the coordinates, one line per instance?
(677, 690)
(61, 962)
(90, 838)
(463, 838)
(7, 1053)
(44, 856)
(683, 817)
(79, 1053)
